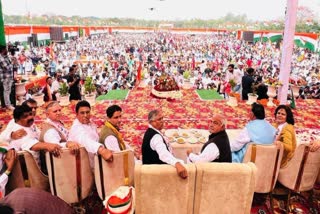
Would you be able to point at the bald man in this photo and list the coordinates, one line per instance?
(217, 149)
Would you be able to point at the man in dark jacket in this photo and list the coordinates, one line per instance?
(154, 148)
(217, 149)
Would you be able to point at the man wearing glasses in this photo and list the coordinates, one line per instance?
(154, 148)
(217, 149)
(84, 132)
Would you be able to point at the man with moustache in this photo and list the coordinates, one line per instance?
(24, 119)
(8, 134)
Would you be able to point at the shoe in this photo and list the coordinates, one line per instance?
(10, 107)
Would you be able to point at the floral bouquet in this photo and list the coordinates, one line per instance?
(273, 82)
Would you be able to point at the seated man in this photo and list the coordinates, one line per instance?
(85, 132)
(53, 130)
(24, 119)
(154, 148)
(217, 149)
(258, 130)
(109, 134)
(8, 158)
(8, 134)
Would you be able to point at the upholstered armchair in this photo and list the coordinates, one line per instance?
(300, 173)
(160, 190)
(224, 188)
(70, 175)
(267, 159)
(111, 175)
(27, 173)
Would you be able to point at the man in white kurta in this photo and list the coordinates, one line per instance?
(24, 119)
(84, 132)
(8, 134)
(53, 130)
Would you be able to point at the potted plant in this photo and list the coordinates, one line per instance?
(252, 97)
(89, 89)
(37, 95)
(20, 88)
(63, 94)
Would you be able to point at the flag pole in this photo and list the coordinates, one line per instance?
(2, 34)
(287, 49)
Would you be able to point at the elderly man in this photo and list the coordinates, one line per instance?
(24, 119)
(258, 130)
(8, 134)
(53, 130)
(217, 149)
(85, 132)
(154, 148)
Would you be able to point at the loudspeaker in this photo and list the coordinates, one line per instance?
(56, 33)
(30, 40)
(34, 39)
(247, 36)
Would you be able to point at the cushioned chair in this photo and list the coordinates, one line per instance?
(26, 173)
(160, 190)
(300, 173)
(224, 188)
(111, 175)
(267, 159)
(70, 175)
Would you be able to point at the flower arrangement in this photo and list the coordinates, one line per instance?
(232, 83)
(165, 83)
(273, 82)
(299, 82)
(36, 89)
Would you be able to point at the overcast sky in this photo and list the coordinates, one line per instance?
(163, 9)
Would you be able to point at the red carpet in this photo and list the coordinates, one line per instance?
(189, 112)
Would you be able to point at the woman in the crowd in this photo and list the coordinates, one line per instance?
(286, 133)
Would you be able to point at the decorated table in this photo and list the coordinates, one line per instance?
(166, 87)
(183, 139)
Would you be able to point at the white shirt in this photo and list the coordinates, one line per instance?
(86, 135)
(242, 139)
(157, 144)
(53, 136)
(111, 142)
(6, 134)
(210, 153)
(3, 177)
(55, 85)
(28, 141)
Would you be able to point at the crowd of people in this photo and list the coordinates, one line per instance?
(121, 61)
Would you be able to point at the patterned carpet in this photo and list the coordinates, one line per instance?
(189, 112)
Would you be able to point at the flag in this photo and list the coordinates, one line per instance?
(2, 34)
(139, 71)
(293, 103)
